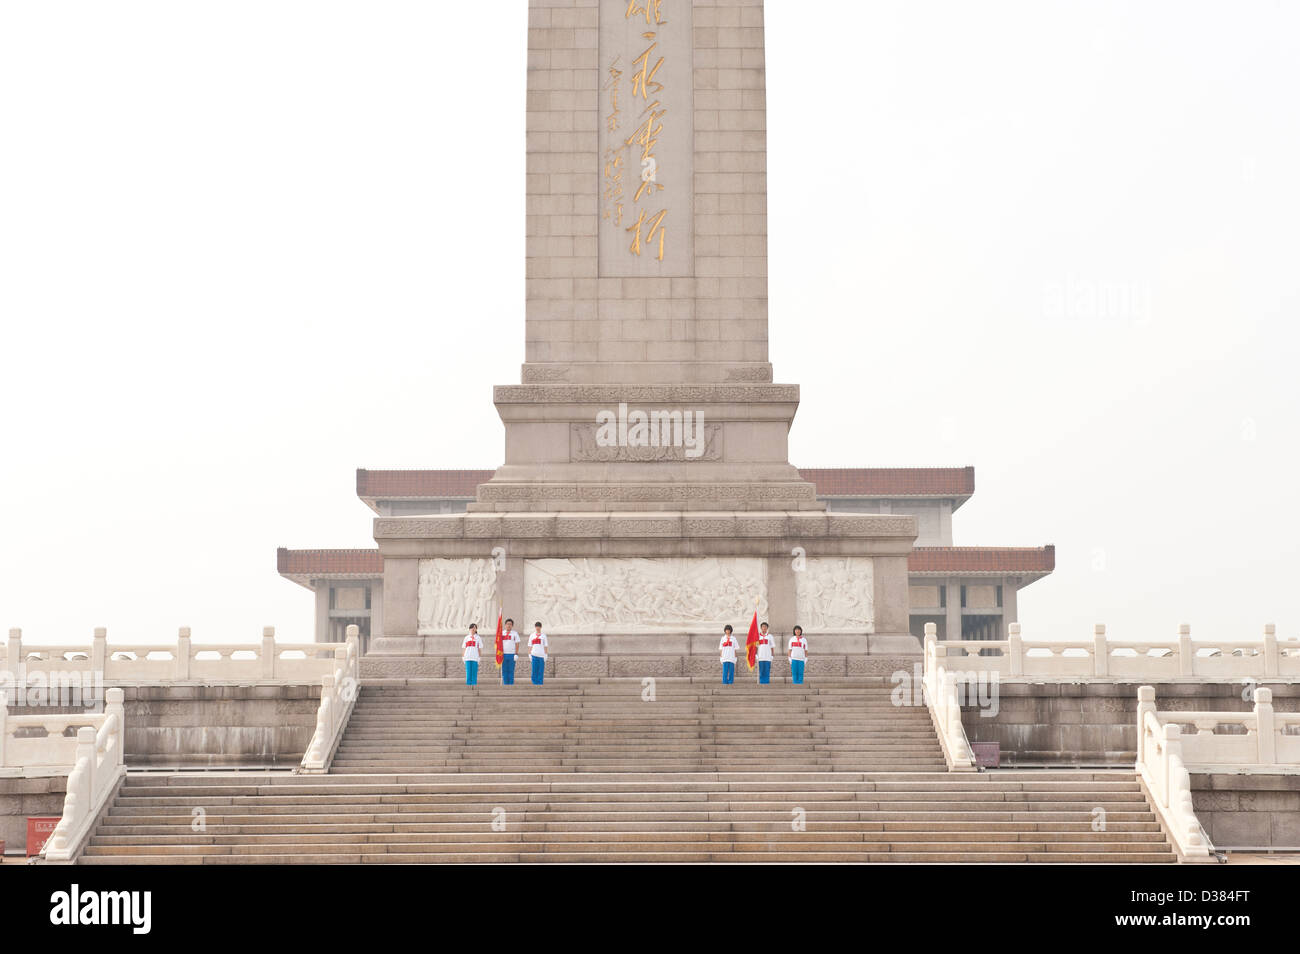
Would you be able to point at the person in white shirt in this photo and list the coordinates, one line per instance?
(473, 646)
(509, 648)
(798, 655)
(537, 644)
(765, 641)
(727, 652)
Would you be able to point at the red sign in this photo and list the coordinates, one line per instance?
(38, 832)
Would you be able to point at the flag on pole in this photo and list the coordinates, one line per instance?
(751, 641)
(501, 656)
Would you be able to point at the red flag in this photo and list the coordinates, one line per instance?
(501, 656)
(751, 641)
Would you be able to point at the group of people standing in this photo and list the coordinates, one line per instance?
(764, 646)
(538, 643)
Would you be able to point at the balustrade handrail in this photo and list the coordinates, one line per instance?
(1181, 658)
(940, 690)
(183, 661)
(338, 695)
(98, 770)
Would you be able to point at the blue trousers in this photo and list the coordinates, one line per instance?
(764, 671)
(728, 673)
(471, 672)
(507, 669)
(796, 671)
(539, 669)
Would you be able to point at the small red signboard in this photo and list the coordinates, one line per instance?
(39, 830)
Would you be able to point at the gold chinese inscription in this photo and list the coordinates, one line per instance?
(635, 118)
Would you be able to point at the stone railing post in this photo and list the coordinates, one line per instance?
(268, 652)
(86, 751)
(1272, 664)
(14, 657)
(115, 705)
(1146, 703)
(1266, 726)
(931, 649)
(1186, 660)
(4, 726)
(1015, 651)
(1100, 651)
(99, 649)
(184, 655)
(1173, 758)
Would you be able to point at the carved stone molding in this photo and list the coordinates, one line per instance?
(757, 373)
(662, 395)
(505, 493)
(545, 374)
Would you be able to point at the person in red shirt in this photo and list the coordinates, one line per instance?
(727, 653)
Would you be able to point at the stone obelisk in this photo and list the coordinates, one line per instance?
(646, 496)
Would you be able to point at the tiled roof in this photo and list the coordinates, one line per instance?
(1027, 560)
(420, 484)
(892, 481)
(327, 562)
(840, 482)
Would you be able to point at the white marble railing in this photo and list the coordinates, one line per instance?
(96, 773)
(945, 707)
(338, 695)
(1163, 769)
(40, 745)
(1163, 660)
(1260, 740)
(185, 661)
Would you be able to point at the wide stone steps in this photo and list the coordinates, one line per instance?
(578, 772)
(1012, 817)
(613, 726)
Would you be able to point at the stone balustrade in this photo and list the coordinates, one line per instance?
(1179, 659)
(945, 706)
(1163, 770)
(185, 661)
(34, 746)
(97, 771)
(1260, 740)
(338, 695)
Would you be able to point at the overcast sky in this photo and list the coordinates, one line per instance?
(248, 247)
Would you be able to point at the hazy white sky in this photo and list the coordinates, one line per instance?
(248, 247)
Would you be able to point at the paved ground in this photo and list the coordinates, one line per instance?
(1261, 858)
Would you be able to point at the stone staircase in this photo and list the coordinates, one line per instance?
(608, 726)
(592, 772)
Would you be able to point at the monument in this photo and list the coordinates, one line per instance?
(646, 496)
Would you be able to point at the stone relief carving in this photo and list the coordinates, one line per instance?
(455, 593)
(755, 373)
(544, 374)
(836, 595)
(584, 447)
(630, 596)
